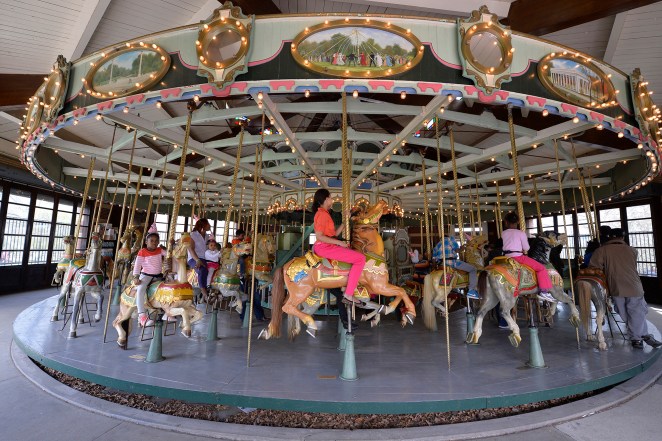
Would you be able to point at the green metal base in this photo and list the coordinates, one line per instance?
(536, 359)
(155, 353)
(349, 361)
(212, 327)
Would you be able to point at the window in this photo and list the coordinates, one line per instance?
(611, 217)
(81, 246)
(584, 234)
(640, 237)
(162, 224)
(63, 222)
(547, 223)
(532, 226)
(16, 225)
(41, 230)
(180, 227)
(568, 229)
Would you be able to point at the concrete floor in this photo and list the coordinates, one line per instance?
(31, 412)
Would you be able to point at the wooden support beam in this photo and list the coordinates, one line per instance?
(539, 18)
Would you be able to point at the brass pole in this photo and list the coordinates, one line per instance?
(535, 191)
(226, 230)
(513, 152)
(458, 206)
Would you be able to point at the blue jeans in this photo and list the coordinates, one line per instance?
(257, 301)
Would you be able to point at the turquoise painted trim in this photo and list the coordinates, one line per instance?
(340, 407)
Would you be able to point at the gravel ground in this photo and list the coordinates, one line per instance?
(307, 420)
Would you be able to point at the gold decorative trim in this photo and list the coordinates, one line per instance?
(117, 51)
(386, 71)
(608, 90)
(482, 22)
(646, 112)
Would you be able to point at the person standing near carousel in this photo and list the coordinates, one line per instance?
(327, 245)
(618, 261)
(196, 253)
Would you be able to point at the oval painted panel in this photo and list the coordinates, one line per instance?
(355, 48)
(127, 71)
(577, 81)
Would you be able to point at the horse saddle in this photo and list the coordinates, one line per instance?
(593, 274)
(330, 268)
(521, 278)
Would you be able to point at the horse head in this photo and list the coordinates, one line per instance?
(182, 246)
(372, 215)
(265, 244)
(473, 251)
(242, 249)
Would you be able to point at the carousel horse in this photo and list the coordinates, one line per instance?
(173, 297)
(131, 241)
(591, 286)
(263, 259)
(70, 265)
(88, 280)
(505, 279)
(63, 264)
(434, 290)
(225, 280)
(303, 275)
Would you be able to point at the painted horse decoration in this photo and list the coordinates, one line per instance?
(69, 265)
(174, 297)
(505, 279)
(63, 264)
(264, 257)
(303, 275)
(435, 290)
(131, 241)
(591, 286)
(88, 280)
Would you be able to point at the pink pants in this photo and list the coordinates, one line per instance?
(344, 255)
(544, 282)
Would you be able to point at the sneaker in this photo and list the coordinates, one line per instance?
(637, 344)
(348, 300)
(651, 341)
(546, 295)
(144, 320)
(473, 294)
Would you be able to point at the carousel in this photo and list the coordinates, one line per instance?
(417, 128)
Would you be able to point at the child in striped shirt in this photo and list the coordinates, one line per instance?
(147, 267)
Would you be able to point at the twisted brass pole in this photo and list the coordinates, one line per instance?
(345, 171)
(442, 234)
(595, 208)
(458, 206)
(565, 227)
(480, 223)
(513, 152)
(226, 230)
(256, 192)
(498, 211)
(135, 199)
(90, 169)
(119, 229)
(535, 191)
(426, 211)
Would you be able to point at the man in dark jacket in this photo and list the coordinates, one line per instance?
(618, 260)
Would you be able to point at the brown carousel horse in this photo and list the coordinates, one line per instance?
(303, 275)
(435, 290)
(175, 298)
(131, 242)
(504, 279)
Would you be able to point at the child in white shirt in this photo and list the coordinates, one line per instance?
(212, 255)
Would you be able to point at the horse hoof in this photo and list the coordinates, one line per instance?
(410, 318)
(381, 309)
(515, 339)
(186, 333)
(122, 345)
(263, 335)
(312, 332)
(575, 321)
(54, 319)
(602, 346)
(72, 334)
(471, 339)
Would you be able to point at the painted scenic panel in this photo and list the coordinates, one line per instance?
(576, 81)
(356, 50)
(128, 71)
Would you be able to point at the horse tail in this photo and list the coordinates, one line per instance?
(482, 282)
(429, 318)
(584, 293)
(277, 299)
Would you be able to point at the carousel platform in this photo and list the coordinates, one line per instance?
(399, 370)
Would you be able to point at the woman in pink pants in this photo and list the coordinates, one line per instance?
(515, 243)
(327, 245)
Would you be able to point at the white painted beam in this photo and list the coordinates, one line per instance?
(82, 30)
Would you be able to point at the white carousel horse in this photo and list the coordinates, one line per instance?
(64, 262)
(591, 286)
(504, 279)
(174, 297)
(69, 267)
(88, 280)
(435, 290)
(131, 241)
